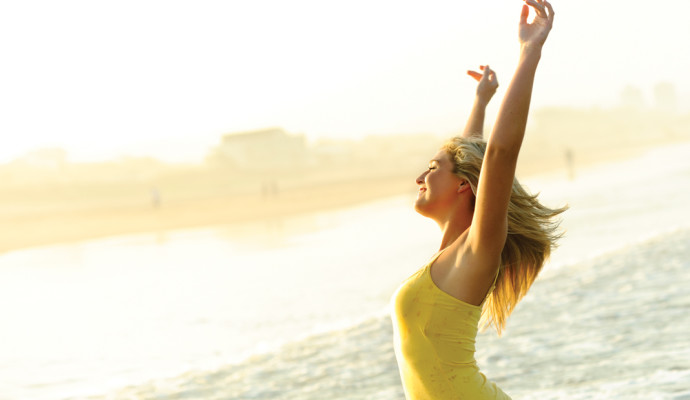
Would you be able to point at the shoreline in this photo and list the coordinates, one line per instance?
(51, 228)
(48, 227)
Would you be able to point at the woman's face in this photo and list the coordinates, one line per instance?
(438, 187)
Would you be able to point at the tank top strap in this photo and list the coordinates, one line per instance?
(434, 257)
(491, 289)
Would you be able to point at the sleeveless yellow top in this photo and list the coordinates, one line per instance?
(434, 342)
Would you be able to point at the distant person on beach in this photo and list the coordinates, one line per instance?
(496, 238)
(570, 163)
(155, 197)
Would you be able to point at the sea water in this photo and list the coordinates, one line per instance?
(298, 308)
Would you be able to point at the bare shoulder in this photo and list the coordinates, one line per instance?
(459, 272)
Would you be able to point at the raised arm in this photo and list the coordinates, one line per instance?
(485, 90)
(489, 225)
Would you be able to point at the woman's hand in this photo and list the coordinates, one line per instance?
(488, 83)
(535, 34)
(485, 90)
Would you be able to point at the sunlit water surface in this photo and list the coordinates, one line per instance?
(155, 313)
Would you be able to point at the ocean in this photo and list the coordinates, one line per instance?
(299, 308)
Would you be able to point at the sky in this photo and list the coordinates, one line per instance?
(106, 79)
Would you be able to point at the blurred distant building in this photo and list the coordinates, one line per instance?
(262, 150)
(632, 98)
(330, 152)
(52, 158)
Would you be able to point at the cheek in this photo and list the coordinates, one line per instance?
(442, 183)
(442, 190)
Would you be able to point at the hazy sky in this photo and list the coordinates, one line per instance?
(168, 78)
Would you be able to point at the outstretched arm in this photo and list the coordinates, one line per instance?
(489, 226)
(485, 90)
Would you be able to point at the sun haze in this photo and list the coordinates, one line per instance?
(167, 79)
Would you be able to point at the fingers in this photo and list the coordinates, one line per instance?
(524, 14)
(474, 74)
(488, 76)
(487, 72)
(540, 7)
(551, 13)
(537, 30)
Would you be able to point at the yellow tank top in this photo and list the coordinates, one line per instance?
(434, 342)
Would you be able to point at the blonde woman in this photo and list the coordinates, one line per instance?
(495, 240)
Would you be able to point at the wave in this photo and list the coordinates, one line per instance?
(357, 361)
(614, 325)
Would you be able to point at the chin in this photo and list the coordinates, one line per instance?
(421, 209)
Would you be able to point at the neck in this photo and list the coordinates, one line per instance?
(454, 226)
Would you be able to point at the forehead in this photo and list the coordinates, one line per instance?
(441, 157)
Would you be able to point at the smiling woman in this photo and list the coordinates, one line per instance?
(496, 238)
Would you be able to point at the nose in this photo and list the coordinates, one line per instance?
(420, 178)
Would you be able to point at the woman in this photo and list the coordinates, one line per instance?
(496, 238)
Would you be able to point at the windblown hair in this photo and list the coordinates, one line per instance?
(532, 233)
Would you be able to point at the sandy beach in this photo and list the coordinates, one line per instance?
(167, 314)
(45, 225)
(51, 214)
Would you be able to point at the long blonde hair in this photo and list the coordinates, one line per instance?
(532, 233)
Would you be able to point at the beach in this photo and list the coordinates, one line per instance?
(45, 225)
(62, 212)
(298, 307)
(221, 200)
